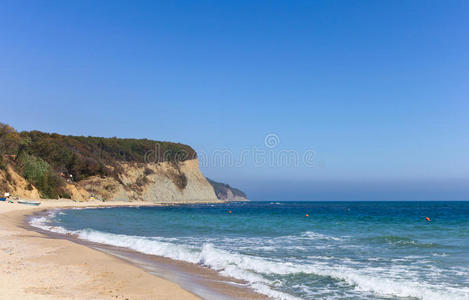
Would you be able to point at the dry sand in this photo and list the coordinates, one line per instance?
(35, 266)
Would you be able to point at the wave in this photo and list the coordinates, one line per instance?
(207, 256)
(41, 222)
(255, 270)
(401, 241)
(319, 236)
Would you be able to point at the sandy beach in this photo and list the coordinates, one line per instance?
(35, 266)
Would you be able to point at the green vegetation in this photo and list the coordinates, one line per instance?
(9, 140)
(40, 157)
(40, 174)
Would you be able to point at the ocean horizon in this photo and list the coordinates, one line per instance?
(297, 250)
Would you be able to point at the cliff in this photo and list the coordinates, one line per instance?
(226, 192)
(37, 164)
(14, 183)
(154, 182)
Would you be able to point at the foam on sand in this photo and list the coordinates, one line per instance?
(255, 270)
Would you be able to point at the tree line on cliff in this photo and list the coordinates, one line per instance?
(46, 160)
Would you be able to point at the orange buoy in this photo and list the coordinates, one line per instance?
(427, 218)
(229, 211)
(306, 215)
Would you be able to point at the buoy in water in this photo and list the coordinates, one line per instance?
(229, 211)
(428, 219)
(306, 215)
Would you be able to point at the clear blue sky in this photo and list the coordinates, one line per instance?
(378, 89)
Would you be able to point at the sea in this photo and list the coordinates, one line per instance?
(297, 250)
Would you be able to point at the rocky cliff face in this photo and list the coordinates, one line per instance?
(36, 164)
(156, 182)
(15, 184)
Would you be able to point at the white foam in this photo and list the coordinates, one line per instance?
(252, 268)
(319, 236)
(207, 256)
(41, 222)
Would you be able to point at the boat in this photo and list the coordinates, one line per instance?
(3, 199)
(35, 203)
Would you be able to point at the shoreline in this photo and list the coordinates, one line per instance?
(44, 265)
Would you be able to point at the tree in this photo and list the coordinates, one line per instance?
(9, 140)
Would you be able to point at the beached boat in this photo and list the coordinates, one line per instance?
(3, 199)
(35, 203)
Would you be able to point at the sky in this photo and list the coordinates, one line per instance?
(310, 100)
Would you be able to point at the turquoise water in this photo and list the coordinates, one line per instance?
(343, 250)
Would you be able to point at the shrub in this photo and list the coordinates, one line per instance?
(9, 178)
(2, 164)
(40, 174)
(141, 181)
(3, 186)
(148, 171)
(179, 179)
(65, 195)
(9, 140)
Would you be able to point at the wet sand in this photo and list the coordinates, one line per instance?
(44, 265)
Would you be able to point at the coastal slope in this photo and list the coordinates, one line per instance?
(226, 192)
(35, 165)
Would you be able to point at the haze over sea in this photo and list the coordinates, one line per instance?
(305, 250)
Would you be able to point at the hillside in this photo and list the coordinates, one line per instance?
(226, 192)
(37, 164)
